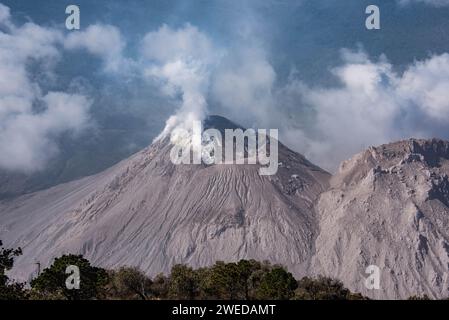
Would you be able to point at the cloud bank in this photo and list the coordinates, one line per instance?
(243, 86)
(104, 41)
(30, 119)
(375, 105)
(370, 103)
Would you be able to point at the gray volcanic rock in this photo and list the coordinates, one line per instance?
(389, 206)
(149, 213)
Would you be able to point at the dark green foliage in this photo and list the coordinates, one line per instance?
(224, 281)
(160, 286)
(424, 297)
(250, 272)
(13, 291)
(52, 281)
(243, 280)
(9, 290)
(129, 283)
(231, 280)
(324, 288)
(183, 283)
(277, 284)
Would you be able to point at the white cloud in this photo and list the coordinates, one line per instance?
(104, 41)
(27, 138)
(243, 85)
(372, 104)
(29, 119)
(376, 105)
(426, 84)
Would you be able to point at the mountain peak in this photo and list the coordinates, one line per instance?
(434, 148)
(391, 204)
(220, 123)
(431, 152)
(146, 206)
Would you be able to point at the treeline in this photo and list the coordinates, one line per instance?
(245, 280)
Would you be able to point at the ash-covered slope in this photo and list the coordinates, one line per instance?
(389, 206)
(150, 213)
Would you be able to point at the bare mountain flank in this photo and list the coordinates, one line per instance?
(150, 213)
(389, 206)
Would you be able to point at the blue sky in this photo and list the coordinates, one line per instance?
(309, 68)
(294, 30)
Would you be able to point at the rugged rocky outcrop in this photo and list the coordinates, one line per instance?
(388, 206)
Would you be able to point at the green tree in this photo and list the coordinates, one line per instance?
(183, 282)
(129, 282)
(277, 284)
(324, 288)
(231, 280)
(248, 276)
(160, 286)
(52, 281)
(9, 290)
(424, 297)
(224, 281)
(206, 290)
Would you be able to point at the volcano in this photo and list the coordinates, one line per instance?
(387, 207)
(147, 212)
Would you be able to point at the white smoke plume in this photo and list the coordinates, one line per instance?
(182, 60)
